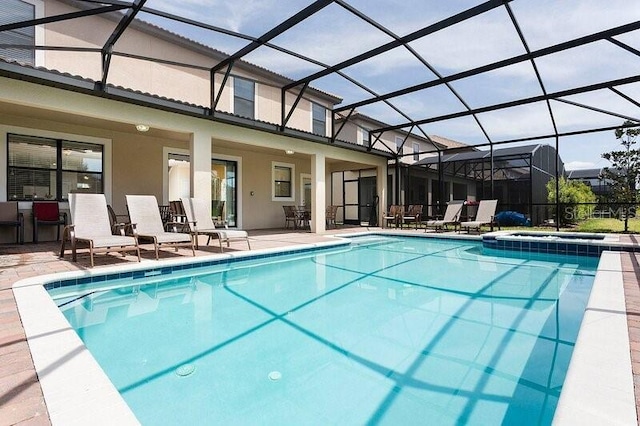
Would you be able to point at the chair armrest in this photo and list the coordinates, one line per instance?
(122, 228)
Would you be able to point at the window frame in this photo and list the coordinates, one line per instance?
(59, 169)
(237, 79)
(365, 141)
(292, 167)
(316, 121)
(38, 36)
(399, 144)
(416, 151)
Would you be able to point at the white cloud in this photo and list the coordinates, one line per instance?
(577, 165)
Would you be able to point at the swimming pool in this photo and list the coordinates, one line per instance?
(387, 331)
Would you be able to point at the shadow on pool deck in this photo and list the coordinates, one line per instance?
(21, 400)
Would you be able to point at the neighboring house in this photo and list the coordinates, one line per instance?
(150, 128)
(414, 186)
(593, 179)
(518, 181)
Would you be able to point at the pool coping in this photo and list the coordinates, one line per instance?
(598, 387)
(77, 391)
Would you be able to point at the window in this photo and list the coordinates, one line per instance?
(399, 143)
(365, 137)
(244, 96)
(15, 11)
(319, 118)
(41, 168)
(416, 151)
(282, 177)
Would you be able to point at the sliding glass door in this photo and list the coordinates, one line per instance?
(224, 188)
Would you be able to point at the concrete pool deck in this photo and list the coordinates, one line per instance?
(21, 398)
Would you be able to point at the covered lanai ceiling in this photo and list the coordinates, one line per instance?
(482, 72)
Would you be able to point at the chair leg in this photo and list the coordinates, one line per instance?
(62, 245)
(155, 246)
(91, 253)
(248, 243)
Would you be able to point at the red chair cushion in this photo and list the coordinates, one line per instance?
(46, 211)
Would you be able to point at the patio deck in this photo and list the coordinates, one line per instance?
(21, 400)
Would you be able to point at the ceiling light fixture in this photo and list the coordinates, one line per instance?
(289, 152)
(142, 127)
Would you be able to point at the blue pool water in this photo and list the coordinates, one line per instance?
(388, 331)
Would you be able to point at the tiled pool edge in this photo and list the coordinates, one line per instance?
(599, 388)
(71, 362)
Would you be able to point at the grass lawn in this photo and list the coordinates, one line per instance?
(608, 225)
(591, 225)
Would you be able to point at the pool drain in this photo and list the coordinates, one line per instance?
(185, 370)
(275, 376)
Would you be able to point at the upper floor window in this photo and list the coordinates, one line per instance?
(244, 96)
(49, 169)
(366, 137)
(16, 11)
(319, 117)
(416, 151)
(399, 143)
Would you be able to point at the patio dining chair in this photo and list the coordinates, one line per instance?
(47, 213)
(145, 214)
(10, 216)
(413, 214)
(330, 215)
(198, 215)
(394, 215)
(90, 224)
(291, 216)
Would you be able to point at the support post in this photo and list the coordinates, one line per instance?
(318, 194)
(557, 183)
(200, 155)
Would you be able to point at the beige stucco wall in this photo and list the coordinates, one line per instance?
(170, 81)
(135, 162)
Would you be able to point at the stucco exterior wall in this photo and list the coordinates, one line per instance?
(165, 80)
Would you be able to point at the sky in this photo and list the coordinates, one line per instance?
(334, 34)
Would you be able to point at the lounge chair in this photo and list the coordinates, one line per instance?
(451, 217)
(413, 214)
(90, 223)
(145, 214)
(198, 213)
(394, 215)
(484, 216)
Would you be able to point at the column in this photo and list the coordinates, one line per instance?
(318, 193)
(381, 187)
(200, 153)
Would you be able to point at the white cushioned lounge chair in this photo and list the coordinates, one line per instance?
(485, 216)
(198, 213)
(90, 224)
(451, 217)
(145, 214)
